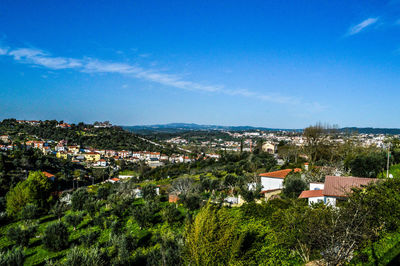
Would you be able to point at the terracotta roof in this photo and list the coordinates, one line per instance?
(115, 179)
(48, 175)
(280, 173)
(269, 190)
(311, 194)
(339, 186)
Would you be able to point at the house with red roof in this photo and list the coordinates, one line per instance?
(274, 180)
(110, 153)
(49, 176)
(35, 144)
(101, 162)
(114, 180)
(334, 188)
(123, 154)
(64, 125)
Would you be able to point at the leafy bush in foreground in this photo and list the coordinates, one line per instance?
(56, 236)
(84, 257)
(21, 235)
(12, 257)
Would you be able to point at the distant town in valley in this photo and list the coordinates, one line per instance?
(122, 187)
(199, 133)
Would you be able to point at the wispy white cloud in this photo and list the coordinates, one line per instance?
(41, 58)
(3, 50)
(361, 26)
(38, 57)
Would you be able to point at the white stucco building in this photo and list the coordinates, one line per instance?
(335, 188)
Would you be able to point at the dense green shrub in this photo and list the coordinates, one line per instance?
(79, 198)
(149, 192)
(21, 234)
(12, 257)
(90, 238)
(170, 252)
(35, 189)
(367, 165)
(58, 209)
(29, 212)
(117, 227)
(74, 219)
(103, 192)
(293, 185)
(145, 215)
(192, 201)
(56, 236)
(120, 247)
(84, 257)
(171, 214)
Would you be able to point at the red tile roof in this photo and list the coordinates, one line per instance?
(281, 173)
(339, 186)
(115, 179)
(48, 175)
(311, 194)
(269, 190)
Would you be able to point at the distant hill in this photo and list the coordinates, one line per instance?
(177, 127)
(173, 127)
(372, 130)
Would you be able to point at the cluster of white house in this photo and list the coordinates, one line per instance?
(335, 188)
(101, 157)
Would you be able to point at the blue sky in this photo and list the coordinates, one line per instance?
(285, 64)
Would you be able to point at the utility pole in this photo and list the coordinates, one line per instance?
(387, 163)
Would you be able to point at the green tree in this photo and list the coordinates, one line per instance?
(209, 240)
(149, 192)
(35, 189)
(16, 256)
(21, 234)
(367, 165)
(171, 214)
(73, 219)
(79, 198)
(170, 252)
(39, 188)
(56, 236)
(17, 198)
(145, 214)
(90, 238)
(192, 201)
(293, 185)
(84, 257)
(58, 209)
(250, 194)
(29, 212)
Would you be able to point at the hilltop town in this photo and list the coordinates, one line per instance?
(103, 185)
